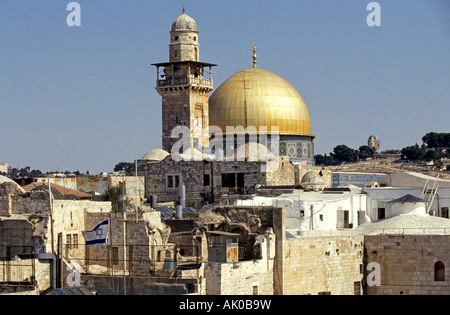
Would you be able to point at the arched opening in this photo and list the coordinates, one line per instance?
(439, 271)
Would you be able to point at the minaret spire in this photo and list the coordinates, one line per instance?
(254, 56)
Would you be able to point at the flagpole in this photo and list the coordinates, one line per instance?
(111, 254)
(136, 179)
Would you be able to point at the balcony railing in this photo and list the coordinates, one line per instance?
(185, 81)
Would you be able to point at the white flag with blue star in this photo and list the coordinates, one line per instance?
(98, 236)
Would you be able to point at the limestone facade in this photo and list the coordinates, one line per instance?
(211, 181)
(407, 264)
(323, 265)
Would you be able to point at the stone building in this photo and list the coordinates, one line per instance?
(183, 85)
(209, 180)
(254, 106)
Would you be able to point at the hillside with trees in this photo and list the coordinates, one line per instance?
(424, 158)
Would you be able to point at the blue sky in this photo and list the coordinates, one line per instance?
(83, 98)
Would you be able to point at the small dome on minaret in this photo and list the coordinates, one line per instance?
(184, 23)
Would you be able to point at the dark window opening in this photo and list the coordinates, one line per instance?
(206, 180)
(439, 271)
(381, 213)
(228, 180)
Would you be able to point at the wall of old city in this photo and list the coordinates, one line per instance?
(407, 264)
(246, 277)
(239, 278)
(325, 265)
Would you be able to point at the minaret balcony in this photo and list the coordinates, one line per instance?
(185, 82)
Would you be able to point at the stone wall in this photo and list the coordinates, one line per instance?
(284, 175)
(192, 173)
(325, 265)
(239, 278)
(251, 277)
(407, 262)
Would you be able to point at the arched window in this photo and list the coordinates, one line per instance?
(439, 271)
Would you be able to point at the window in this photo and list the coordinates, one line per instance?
(439, 271)
(381, 213)
(173, 181)
(444, 212)
(75, 241)
(68, 241)
(115, 256)
(228, 180)
(343, 219)
(255, 290)
(321, 217)
(357, 288)
(206, 180)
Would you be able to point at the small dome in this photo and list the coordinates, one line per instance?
(311, 177)
(312, 181)
(4, 179)
(184, 23)
(155, 155)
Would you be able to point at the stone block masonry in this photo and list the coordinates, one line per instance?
(407, 263)
(325, 265)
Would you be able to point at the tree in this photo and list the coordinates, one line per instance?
(124, 166)
(118, 198)
(324, 159)
(431, 139)
(414, 153)
(365, 152)
(342, 153)
(436, 140)
(433, 155)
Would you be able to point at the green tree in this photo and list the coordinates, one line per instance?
(365, 152)
(414, 153)
(124, 166)
(324, 159)
(436, 140)
(118, 198)
(343, 153)
(433, 154)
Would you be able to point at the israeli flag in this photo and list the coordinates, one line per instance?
(98, 236)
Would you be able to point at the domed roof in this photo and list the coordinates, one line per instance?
(406, 224)
(312, 181)
(155, 155)
(4, 179)
(184, 23)
(270, 101)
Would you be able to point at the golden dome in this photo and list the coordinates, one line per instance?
(270, 101)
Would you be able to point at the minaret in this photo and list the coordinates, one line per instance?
(182, 84)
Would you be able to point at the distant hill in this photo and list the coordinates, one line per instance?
(388, 166)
